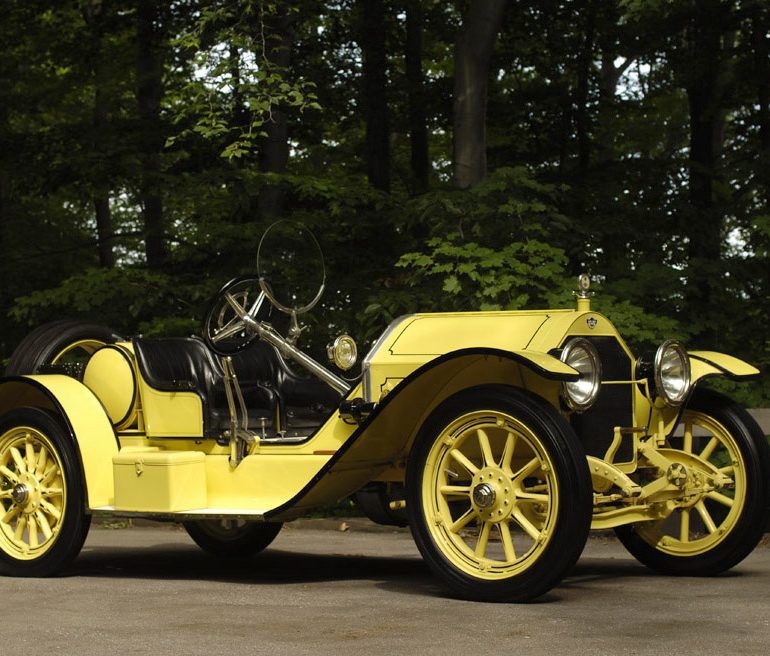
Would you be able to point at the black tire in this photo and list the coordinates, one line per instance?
(232, 538)
(558, 515)
(49, 343)
(60, 520)
(737, 533)
(374, 500)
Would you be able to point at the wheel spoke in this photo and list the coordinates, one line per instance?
(460, 457)
(20, 526)
(684, 525)
(42, 461)
(16, 455)
(45, 527)
(6, 494)
(505, 536)
(52, 473)
(528, 526)
(687, 441)
(486, 449)
(11, 476)
(706, 453)
(10, 514)
(533, 497)
(721, 498)
(463, 521)
(728, 469)
(481, 543)
(508, 449)
(705, 516)
(50, 509)
(51, 492)
(32, 528)
(455, 490)
(29, 454)
(531, 467)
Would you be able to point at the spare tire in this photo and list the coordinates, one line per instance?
(64, 345)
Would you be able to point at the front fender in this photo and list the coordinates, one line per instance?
(83, 416)
(712, 363)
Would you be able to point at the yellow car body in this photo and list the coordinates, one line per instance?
(144, 450)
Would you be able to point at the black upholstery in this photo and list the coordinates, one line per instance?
(269, 388)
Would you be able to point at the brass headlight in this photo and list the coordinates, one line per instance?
(343, 352)
(580, 354)
(672, 372)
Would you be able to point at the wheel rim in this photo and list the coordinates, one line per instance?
(77, 352)
(33, 493)
(696, 524)
(489, 495)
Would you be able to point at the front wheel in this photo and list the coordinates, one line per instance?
(43, 523)
(498, 494)
(233, 538)
(711, 531)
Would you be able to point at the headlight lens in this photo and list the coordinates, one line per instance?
(672, 372)
(580, 354)
(343, 352)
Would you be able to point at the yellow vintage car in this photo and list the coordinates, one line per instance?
(501, 438)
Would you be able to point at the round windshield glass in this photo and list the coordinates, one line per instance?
(290, 266)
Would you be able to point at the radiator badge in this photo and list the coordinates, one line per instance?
(592, 321)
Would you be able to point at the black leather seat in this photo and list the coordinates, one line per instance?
(270, 389)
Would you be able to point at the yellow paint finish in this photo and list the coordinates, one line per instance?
(725, 362)
(110, 375)
(171, 414)
(159, 481)
(437, 334)
(260, 482)
(86, 417)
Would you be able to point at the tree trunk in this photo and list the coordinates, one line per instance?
(582, 118)
(761, 46)
(374, 100)
(418, 128)
(149, 92)
(93, 14)
(473, 51)
(274, 153)
(707, 78)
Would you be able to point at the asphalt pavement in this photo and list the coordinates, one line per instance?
(321, 590)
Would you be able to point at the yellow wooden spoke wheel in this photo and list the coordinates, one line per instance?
(42, 519)
(710, 527)
(498, 494)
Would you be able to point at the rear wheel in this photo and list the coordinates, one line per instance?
(66, 343)
(709, 532)
(232, 537)
(498, 494)
(43, 523)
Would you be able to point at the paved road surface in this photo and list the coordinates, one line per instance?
(320, 591)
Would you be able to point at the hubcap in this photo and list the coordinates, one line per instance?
(20, 494)
(484, 495)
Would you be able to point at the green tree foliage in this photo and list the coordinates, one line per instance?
(627, 139)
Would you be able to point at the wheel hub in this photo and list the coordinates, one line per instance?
(677, 474)
(20, 494)
(492, 494)
(484, 495)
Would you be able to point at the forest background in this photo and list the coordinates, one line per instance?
(448, 155)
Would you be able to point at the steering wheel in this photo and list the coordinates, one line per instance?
(224, 329)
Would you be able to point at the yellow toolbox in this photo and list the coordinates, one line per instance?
(159, 481)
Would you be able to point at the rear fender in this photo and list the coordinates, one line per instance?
(84, 418)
